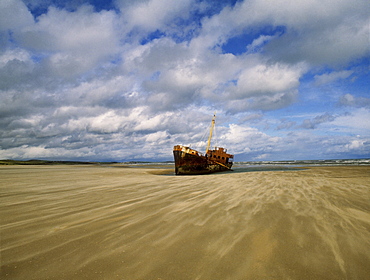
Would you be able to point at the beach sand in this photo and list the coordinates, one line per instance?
(108, 222)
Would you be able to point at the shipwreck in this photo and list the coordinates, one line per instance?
(191, 162)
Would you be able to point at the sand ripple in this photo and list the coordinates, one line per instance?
(130, 223)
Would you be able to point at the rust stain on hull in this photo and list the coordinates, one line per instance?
(191, 162)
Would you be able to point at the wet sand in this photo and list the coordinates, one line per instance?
(99, 222)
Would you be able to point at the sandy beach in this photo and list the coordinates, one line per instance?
(111, 222)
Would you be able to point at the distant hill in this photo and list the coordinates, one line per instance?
(70, 162)
(41, 162)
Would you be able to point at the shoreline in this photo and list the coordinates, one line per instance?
(166, 169)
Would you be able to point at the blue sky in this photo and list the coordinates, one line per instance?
(127, 80)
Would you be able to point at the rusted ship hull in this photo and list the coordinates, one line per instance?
(190, 162)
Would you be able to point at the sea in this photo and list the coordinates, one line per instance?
(324, 162)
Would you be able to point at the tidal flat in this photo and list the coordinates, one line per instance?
(107, 222)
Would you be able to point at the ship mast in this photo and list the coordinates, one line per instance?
(211, 132)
